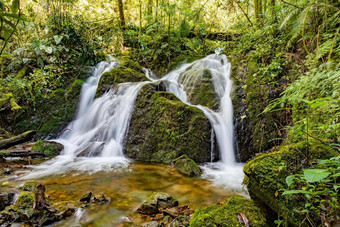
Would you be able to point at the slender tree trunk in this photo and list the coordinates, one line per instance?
(157, 4)
(272, 9)
(256, 9)
(140, 17)
(150, 7)
(121, 14)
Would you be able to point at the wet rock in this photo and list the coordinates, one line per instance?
(32, 208)
(6, 199)
(125, 219)
(68, 213)
(151, 224)
(162, 128)
(156, 202)
(48, 147)
(102, 198)
(8, 171)
(129, 71)
(86, 198)
(199, 87)
(187, 166)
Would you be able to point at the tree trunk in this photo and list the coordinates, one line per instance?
(140, 17)
(272, 9)
(150, 7)
(256, 9)
(121, 14)
(6, 143)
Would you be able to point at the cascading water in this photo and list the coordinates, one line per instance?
(94, 140)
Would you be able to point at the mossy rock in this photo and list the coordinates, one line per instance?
(199, 87)
(120, 74)
(162, 128)
(226, 214)
(25, 203)
(49, 148)
(266, 175)
(30, 186)
(125, 62)
(158, 200)
(187, 166)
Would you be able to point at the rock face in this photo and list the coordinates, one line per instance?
(163, 128)
(187, 166)
(129, 71)
(227, 214)
(199, 87)
(265, 180)
(32, 208)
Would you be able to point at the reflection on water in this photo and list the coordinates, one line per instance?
(127, 188)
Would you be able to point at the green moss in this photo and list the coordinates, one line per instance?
(25, 203)
(200, 88)
(48, 148)
(4, 153)
(163, 128)
(120, 74)
(30, 186)
(131, 64)
(187, 166)
(266, 174)
(225, 214)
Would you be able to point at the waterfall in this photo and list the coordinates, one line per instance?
(93, 141)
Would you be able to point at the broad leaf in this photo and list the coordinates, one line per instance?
(290, 180)
(15, 6)
(315, 175)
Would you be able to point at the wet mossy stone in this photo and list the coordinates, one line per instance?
(199, 87)
(187, 166)
(226, 214)
(30, 186)
(120, 74)
(49, 148)
(162, 128)
(125, 62)
(157, 201)
(266, 174)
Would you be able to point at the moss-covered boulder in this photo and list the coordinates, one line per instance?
(162, 128)
(226, 214)
(157, 201)
(187, 166)
(128, 71)
(266, 174)
(32, 208)
(49, 148)
(199, 87)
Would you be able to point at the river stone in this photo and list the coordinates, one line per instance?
(151, 224)
(157, 201)
(187, 166)
(6, 199)
(49, 148)
(162, 128)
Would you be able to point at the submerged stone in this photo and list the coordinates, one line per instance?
(162, 128)
(187, 166)
(226, 214)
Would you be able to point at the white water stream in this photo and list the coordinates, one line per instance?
(94, 140)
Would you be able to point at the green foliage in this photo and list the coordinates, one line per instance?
(320, 189)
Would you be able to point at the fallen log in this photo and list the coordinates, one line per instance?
(20, 153)
(26, 136)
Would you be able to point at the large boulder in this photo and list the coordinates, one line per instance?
(265, 177)
(128, 71)
(156, 202)
(163, 128)
(235, 211)
(49, 148)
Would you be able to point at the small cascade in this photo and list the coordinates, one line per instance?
(94, 140)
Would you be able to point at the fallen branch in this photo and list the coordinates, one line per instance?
(6, 143)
